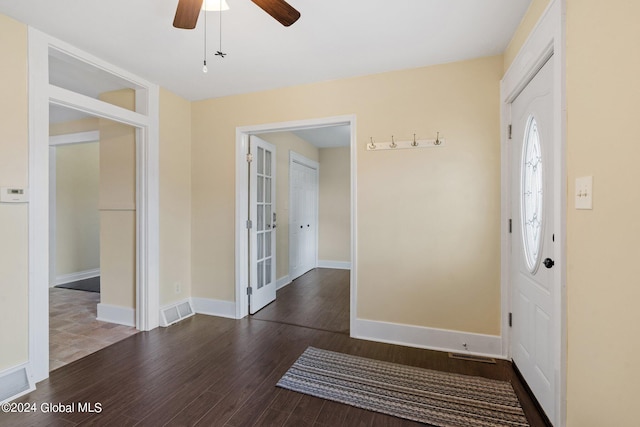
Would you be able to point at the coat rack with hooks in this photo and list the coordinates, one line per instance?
(373, 145)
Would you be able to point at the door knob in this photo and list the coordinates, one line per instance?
(548, 263)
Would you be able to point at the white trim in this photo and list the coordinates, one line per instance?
(305, 161)
(53, 215)
(339, 265)
(546, 39)
(283, 281)
(76, 101)
(41, 94)
(116, 314)
(75, 138)
(38, 205)
(214, 307)
(4, 387)
(429, 338)
(242, 140)
(74, 277)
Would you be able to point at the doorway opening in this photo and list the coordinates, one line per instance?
(48, 86)
(327, 239)
(92, 259)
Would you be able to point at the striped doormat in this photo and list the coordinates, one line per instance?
(427, 396)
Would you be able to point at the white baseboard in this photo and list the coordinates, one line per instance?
(429, 338)
(116, 314)
(339, 265)
(74, 277)
(283, 281)
(214, 307)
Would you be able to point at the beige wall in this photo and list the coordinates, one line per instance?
(13, 172)
(285, 142)
(117, 207)
(603, 272)
(530, 19)
(74, 126)
(429, 241)
(175, 197)
(77, 215)
(334, 210)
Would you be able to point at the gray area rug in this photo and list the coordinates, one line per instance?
(426, 396)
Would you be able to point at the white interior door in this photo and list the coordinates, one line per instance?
(303, 221)
(262, 236)
(534, 346)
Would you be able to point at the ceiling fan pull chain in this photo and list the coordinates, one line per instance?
(220, 53)
(204, 67)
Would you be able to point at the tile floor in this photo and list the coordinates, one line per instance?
(74, 331)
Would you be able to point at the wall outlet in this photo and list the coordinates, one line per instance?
(178, 287)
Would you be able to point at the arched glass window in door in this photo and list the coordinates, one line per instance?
(532, 192)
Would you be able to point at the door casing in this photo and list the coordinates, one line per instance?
(145, 120)
(242, 144)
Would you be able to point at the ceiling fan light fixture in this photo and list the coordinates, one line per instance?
(214, 5)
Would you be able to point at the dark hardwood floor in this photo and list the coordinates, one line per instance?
(211, 371)
(318, 299)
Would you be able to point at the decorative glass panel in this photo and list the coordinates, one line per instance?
(532, 195)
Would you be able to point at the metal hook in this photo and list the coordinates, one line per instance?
(437, 141)
(393, 143)
(414, 143)
(372, 145)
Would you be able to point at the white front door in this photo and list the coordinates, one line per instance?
(303, 176)
(262, 237)
(534, 290)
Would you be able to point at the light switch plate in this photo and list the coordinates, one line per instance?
(584, 192)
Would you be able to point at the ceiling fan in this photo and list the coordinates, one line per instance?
(188, 11)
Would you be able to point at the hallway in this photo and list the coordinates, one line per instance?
(319, 299)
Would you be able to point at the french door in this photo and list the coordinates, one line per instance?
(262, 236)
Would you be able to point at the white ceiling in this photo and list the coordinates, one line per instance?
(333, 38)
(327, 137)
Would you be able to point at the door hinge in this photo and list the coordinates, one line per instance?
(249, 157)
(249, 224)
(510, 319)
(249, 290)
(510, 225)
(509, 131)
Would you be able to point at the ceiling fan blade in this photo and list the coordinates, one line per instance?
(282, 11)
(187, 14)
